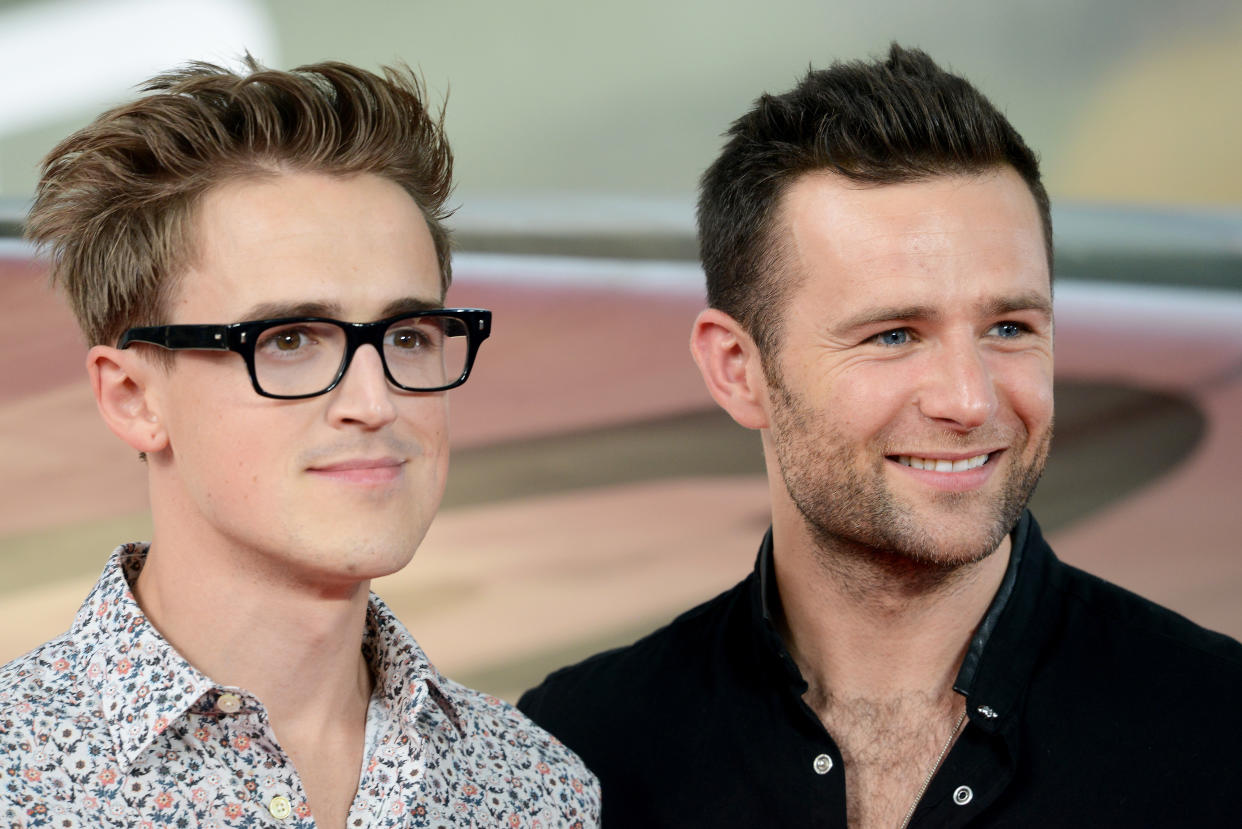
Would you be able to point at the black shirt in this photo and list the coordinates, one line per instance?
(1087, 706)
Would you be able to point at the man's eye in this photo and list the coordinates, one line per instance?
(408, 338)
(286, 340)
(1009, 330)
(898, 336)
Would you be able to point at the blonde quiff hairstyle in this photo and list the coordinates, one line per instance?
(115, 204)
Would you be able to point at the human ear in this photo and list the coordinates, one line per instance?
(121, 381)
(731, 367)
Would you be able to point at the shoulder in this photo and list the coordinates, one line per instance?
(1134, 627)
(601, 706)
(1082, 615)
(45, 702)
(1128, 664)
(666, 661)
(1131, 710)
(45, 680)
(498, 735)
(496, 721)
(636, 714)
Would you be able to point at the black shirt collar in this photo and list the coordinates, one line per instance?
(970, 665)
(1001, 654)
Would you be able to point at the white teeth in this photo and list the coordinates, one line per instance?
(942, 465)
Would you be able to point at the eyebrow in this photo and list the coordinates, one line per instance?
(1000, 306)
(1022, 302)
(332, 310)
(892, 313)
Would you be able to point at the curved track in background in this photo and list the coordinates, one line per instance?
(595, 489)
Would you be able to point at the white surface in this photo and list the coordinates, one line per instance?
(62, 58)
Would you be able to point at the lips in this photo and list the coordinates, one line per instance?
(370, 471)
(360, 463)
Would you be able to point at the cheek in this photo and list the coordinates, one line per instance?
(229, 443)
(233, 464)
(426, 421)
(427, 424)
(873, 398)
(1027, 385)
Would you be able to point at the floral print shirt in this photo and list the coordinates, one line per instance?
(108, 726)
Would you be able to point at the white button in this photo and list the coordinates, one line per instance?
(822, 764)
(279, 807)
(229, 703)
(963, 795)
(987, 711)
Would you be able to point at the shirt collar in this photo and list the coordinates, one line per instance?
(974, 653)
(404, 676)
(1013, 634)
(1002, 652)
(766, 608)
(144, 685)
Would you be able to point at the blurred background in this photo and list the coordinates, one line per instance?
(595, 490)
(1127, 100)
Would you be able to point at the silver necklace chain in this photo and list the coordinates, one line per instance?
(935, 768)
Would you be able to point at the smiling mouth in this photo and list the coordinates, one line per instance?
(942, 464)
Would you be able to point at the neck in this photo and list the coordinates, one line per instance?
(297, 649)
(876, 626)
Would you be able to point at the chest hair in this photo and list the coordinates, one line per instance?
(888, 747)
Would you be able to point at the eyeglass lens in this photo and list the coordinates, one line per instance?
(304, 357)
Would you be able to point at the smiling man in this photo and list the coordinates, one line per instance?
(260, 263)
(908, 650)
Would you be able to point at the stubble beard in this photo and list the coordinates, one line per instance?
(852, 514)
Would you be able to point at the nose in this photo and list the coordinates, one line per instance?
(958, 389)
(364, 395)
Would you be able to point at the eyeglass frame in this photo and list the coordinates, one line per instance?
(241, 338)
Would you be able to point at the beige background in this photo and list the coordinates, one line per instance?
(594, 493)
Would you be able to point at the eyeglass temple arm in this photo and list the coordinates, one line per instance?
(206, 337)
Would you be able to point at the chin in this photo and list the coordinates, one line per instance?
(353, 557)
(950, 551)
(918, 540)
(375, 561)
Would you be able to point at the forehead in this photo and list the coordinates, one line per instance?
(944, 241)
(356, 243)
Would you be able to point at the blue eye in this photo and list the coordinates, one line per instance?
(1009, 330)
(898, 336)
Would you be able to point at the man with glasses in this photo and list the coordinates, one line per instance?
(259, 263)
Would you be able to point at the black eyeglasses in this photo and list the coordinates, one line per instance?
(298, 357)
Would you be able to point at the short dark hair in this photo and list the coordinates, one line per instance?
(117, 199)
(879, 122)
